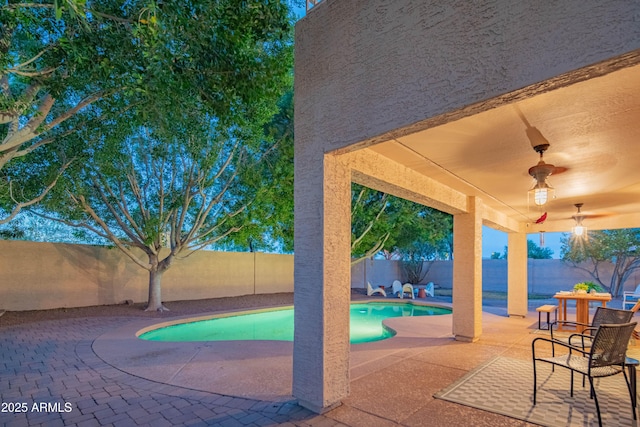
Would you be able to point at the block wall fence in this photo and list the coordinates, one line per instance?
(37, 276)
(545, 276)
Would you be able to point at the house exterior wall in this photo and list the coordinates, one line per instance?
(370, 69)
(37, 276)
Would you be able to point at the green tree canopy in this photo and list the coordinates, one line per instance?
(536, 252)
(180, 160)
(533, 251)
(57, 58)
(620, 248)
(381, 223)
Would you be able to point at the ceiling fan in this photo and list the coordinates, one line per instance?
(542, 170)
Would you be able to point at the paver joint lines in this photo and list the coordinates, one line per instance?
(52, 363)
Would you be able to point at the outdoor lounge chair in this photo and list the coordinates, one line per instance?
(429, 289)
(606, 358)
(408, 288)
(630, 298)
(396, 288)
(371, 291)
(399, 289)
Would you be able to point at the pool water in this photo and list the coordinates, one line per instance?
(365, 325)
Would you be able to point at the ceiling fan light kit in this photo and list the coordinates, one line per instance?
(541, 189)
(540, 192)
(579, 229)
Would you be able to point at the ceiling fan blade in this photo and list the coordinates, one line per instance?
(558, 170)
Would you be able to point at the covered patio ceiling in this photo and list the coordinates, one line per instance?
(593, 128)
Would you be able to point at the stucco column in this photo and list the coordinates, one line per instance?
(321, 281)
(517, 296)
(467, 272)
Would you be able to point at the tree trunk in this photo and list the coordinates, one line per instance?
(155, 290)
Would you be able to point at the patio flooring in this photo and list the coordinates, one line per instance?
(80, 367)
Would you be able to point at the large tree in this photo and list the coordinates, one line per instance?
(182, 162)
(382, 223)
(620, 248)
(57, 58)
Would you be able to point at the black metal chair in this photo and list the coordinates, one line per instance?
(601, 316)
(605, 358)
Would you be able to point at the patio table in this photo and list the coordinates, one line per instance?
(582, 306)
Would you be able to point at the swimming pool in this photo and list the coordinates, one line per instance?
(277, 324)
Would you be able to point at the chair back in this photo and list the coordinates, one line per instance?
(396, 286)
(610, 344)
(610, 316)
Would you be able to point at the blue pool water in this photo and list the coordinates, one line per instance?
(365, 326)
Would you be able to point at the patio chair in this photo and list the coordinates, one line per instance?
(606, 358)
(407, 288)
(429, 289)
(371, 291)
(398, 289)
(630, 298)
(601, 316)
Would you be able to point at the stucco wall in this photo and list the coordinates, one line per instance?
(545, 276)
(366, 68)
(36, 276)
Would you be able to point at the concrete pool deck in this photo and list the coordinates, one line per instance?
(252, 369)
(82, 362)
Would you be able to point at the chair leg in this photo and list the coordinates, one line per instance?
(595, 399)
(572, 383)
(631, 396)
(534, 381)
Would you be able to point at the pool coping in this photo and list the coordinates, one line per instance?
(258, 369)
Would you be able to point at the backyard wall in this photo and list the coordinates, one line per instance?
(545, 276)
(35, 276)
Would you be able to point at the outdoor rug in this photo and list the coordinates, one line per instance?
(505, 386)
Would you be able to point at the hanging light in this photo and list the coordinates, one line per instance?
(579, 229)
(541, 191)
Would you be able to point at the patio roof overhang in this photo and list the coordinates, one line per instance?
(431, 101)
(593, 128)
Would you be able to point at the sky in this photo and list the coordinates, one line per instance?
(495, 241)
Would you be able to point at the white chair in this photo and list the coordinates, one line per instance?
(630, 298)
(396, 288)
(429, 289)
(371, 291)
(408, 288)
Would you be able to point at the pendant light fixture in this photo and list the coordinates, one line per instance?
(541, 191)
(579, 229)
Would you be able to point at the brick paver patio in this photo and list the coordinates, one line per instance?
(52, 363)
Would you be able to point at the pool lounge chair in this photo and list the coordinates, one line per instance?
(630, 298)
(429, 289)
(399, 289)
(407, 288)
(371, 291)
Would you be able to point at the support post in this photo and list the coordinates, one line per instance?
(322, 278)
(467, 272)
(517, 292)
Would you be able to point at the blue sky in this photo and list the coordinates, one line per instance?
(495, 241)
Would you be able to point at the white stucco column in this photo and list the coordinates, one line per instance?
(321, 281)
(467, 272)
(517, 295)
